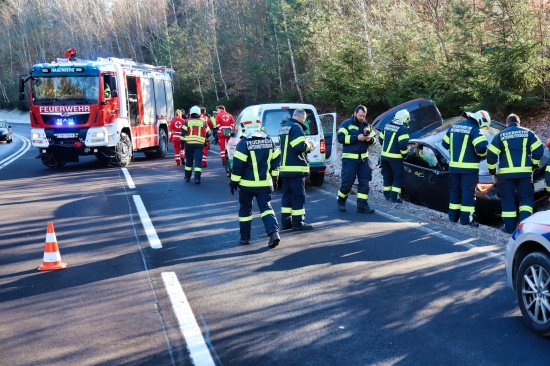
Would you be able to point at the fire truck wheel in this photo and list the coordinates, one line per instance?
(123, 151)
(163, 144)
(50, 160)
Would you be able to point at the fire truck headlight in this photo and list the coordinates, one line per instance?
(35, 135)
(99, 134)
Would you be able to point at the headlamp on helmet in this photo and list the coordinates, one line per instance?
(403, 116)
(483, 118)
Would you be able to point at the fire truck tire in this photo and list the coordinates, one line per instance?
(162, 149)
(122, 151)
(51, 160)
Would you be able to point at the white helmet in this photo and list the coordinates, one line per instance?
(483, 118)
(404, 116)
(195, 110)
(250, 123)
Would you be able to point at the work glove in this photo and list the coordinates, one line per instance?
(492, 171)
(233, 186)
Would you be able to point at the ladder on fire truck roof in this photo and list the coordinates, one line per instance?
(121, 61)
(136, 65)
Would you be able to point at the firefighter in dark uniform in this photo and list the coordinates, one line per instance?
(254, 174)
(467, 147)
(294, 168)
(517, 151)
(194, 133)
(394, 139)
(356, 135)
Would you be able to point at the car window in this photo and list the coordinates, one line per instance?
(274, 119)
(423, 156)
(3, 124)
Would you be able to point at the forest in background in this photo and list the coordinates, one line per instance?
(463, 54)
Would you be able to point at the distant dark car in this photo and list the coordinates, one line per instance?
(5, 132)
(426, 180)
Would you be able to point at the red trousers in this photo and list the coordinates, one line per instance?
(177, 149)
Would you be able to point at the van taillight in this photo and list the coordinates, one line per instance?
(322, 146)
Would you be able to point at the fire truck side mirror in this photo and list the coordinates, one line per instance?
(21, 96)
(114, 93)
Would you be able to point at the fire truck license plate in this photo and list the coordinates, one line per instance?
(65, 135)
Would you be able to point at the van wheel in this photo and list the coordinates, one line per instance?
(532, 290)
(317, 179)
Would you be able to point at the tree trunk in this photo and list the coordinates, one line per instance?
(292, 58)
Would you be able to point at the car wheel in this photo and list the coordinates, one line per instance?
(317, 179)
(533, 292)
(162, 149)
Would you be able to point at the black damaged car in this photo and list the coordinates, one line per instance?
(426, 179)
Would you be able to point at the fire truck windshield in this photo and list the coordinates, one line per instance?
(65, 89)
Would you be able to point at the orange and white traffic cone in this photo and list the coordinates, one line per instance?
(52, 257)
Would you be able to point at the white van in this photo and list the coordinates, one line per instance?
(320, 128)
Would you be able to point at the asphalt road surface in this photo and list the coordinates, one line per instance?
(156, 276)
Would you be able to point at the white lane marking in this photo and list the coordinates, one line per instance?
(200, 355)
(454, 241)
(129, 179)
(10, 159)
(154, 240)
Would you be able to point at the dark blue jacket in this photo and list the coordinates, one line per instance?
(467, 147)
(394, 139)
(347, 136)
(517, 150)
(294, 149)
(256, 160)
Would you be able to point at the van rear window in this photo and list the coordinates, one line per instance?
(274, 119)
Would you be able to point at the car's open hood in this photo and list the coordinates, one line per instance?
(425, 117)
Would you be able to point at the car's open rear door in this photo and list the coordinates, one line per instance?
(328, 121)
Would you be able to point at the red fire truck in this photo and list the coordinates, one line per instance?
(110, 107)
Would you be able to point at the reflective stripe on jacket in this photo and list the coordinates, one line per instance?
(347, 136)
(394, 139)
(517, 150)
(195, 131)
(294, 149)
(256, 160)
(467, 147)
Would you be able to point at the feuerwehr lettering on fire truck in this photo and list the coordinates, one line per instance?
(57, 109)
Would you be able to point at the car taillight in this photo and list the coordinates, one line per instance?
(484, 187)
(323, 146)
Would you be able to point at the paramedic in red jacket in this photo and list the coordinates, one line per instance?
(226, 124)
(174, 129)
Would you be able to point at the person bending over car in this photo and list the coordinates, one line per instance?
(517, 151)
(467, 147)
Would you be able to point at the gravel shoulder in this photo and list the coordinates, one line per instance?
(422, 214)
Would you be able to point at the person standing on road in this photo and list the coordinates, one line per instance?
(174, 129)
(205, 117)
(294, 168)
(467, 147)
(193, 134)
(254, 174)
(517, 151)
(394, 139)
(226, 126)
(356, 135)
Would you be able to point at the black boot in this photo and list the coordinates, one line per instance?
(274, 239)
(341, 205)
